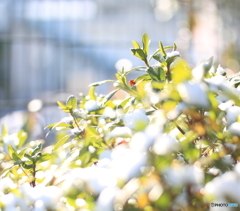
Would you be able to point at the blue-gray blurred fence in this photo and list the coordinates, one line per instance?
(48, 47)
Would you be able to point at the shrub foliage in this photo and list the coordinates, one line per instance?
(171, 144)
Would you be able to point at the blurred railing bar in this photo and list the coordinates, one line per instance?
(67, 43)
(8, 39)
(13, 105)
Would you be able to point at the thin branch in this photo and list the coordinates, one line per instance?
(180, 129)
(75, 121)
(146, 62)
(23, 170)
(153, 106)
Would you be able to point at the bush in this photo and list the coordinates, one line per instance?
(171, 144)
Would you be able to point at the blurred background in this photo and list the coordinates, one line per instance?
(50, 49)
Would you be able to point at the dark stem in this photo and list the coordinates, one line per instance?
(168, 74)
(153, 106)
(33, 183)
(75, 121)
(180, 129)
(146, 62)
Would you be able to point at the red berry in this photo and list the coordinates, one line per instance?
(122, 142)
(132, 82)
(83, 134)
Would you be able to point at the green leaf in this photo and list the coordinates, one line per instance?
(100, 83)
(22, 136)
(79, 113)
(144, 77)
(58, 124)
(136, 45)
(4, 130)
(180, 71)
(44, 157)
(146, 42)
(61, 105)
(27, 166)
(15, 157)
(236, 83)
(5, 171)
(72, 101)
(61, 142)
(139, 68)
(37, 149)
(122, 78)
(157, 73)
(21, 154)
(161, 48)
(139, 53)
(65, 108)
(208, 64)
(174, 46)
(123, 84)
(18, 162)
(85, 158)
(159, 57)
(129, 103)
(172, 58)
(162, 74)
(125, 101)
(157, 85)
(13, 153)
(213, 100)
(109, 96)
(168, 47)
(29, 157)
(91, 93)
(164, 201)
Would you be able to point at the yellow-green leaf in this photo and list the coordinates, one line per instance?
(61, 142)
(91, 93)
(146, 42)
(139, 53)
(13, 153)
(162, 49)
(72, 101)
(100, 83)
(136, 45)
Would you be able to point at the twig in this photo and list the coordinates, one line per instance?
(75, 121)
(180, 129)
